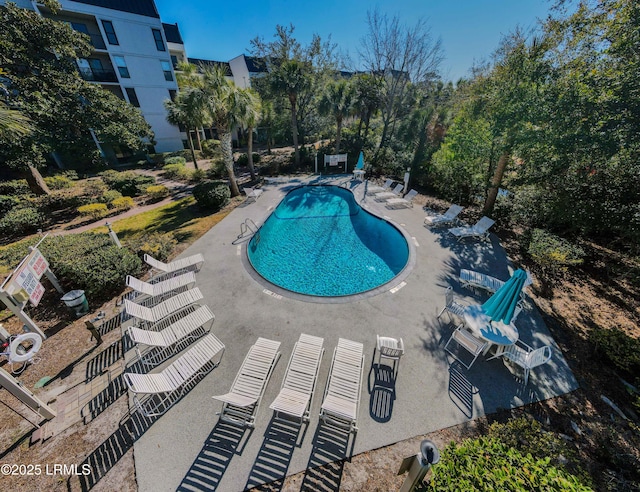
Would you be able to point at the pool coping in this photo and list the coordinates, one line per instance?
(395, 282)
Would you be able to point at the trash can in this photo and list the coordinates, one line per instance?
(77, 301)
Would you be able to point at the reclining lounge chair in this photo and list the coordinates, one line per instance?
(190, 263)
(451, 215)
(479, 230)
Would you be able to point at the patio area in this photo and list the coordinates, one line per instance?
(195, 451)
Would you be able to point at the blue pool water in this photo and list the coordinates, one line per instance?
(319, 241)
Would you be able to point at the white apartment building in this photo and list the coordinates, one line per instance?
(134, 54)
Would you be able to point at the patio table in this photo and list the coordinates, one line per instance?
(499, 334)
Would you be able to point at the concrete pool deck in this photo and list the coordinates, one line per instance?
(189, 449)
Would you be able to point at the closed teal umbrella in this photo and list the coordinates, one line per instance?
(360, 164)
(502, 304)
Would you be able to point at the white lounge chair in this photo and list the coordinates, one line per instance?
(167, 386)
(451, 305)
(386, 195)
(479, 230)
(526, 357)
(151, 315)
(342, 393)
(300, 378)
(389, 348)
(190, 322)
(252, 193)
(372, 190)
(451, 215)
(407, 201)
(241, 404)
(164, 287)
(190, 263)
(467, 341)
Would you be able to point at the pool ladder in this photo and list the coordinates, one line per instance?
(247, 229)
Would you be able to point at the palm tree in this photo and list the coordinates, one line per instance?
(250, 109)
(188, 109)
(226, 105)
(338, 101)
(292, 78)
(13, 123)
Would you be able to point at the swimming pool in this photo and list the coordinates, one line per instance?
(318, 241)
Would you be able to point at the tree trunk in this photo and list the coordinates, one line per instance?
(227, 153)
(36, 182)
(250, 154)
(198, 139)
(338, 134)
(495, 183)
(193, 152)
(294, 128)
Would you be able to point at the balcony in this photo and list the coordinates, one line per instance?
(97, 75)
(97, 41)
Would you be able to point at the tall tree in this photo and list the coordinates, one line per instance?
(189, 109)
(249, 109)
(367, 100)
(398, 55)
(38, 57)
(226, 105)
(337, 100)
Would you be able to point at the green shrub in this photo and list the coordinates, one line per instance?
(7, 202)
(16, 187)
(175, 160)
(197, 175)
(176, 171)
(618, 348)
(109, 196)
(487, 464)
(243, 159)
(185, 154)
(22, 220)
(217, 169)
(93, 210)
(60, 200)
(212, 194)
(160, 246)
(211, 149)
(553, 253)
(157, 192)
(58, 182)
(123, 203)
(129, 183)
(95, 187)
(90, 262)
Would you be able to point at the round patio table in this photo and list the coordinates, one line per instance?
(499, 334)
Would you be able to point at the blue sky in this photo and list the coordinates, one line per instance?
(470, 29)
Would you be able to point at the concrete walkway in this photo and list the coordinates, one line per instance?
(189, 449)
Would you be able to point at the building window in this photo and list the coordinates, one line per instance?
(122, 67)
(166, 68)
(110, 32)
(174, 61)
(133, 98)
(77, 26)
(157, 36)
(172, 94)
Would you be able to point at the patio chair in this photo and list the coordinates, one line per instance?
(241, 404)
(342, 394)
(300, 378)
(407, 201)
(526, 357)
(451, 305)
(150, 315)
(372, 190)
(166, 335)
(252, 193)
(164, 287)
(467, 341)
(451, 215)
(389, 348)
(190, 263)
(164, 388)
(479, 230)
(385, 195)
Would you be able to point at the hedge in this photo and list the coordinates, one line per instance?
(93, 210)
(21, 221)
(212, 194)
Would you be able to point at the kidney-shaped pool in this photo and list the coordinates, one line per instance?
(320, 242)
